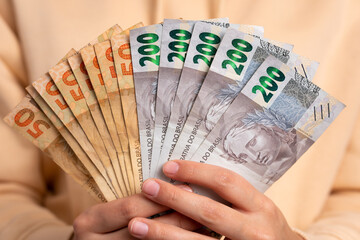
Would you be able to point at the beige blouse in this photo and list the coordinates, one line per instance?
(320, 194)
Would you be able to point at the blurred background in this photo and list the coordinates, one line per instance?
(35, 34)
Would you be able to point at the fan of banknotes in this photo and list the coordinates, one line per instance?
(112, 113)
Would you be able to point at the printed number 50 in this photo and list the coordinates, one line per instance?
(28, 120)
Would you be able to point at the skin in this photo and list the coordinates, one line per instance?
(109, 221)
(252, 216)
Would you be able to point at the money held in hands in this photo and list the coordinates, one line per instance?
(113, 112)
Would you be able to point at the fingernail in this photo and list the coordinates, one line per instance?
(171, 167)
(151, 187)
(139, 229)
(186, 188)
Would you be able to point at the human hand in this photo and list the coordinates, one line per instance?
(252, 216)
(107, 221)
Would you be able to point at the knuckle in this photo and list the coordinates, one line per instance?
(209, 214)
(82, 223)
(173, 194)
(224, 179)
(78, 225)
(85, 222)
(128, 208)
(268, 206)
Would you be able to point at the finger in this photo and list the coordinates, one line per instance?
(179, 220)
(174, 219)
(154, 230)
(208, 212)
(227, 184)
(111, 216)
(116, 235)
(114, 215)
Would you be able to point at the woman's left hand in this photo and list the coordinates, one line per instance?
(252, 216)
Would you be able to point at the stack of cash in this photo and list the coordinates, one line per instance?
(112, 113)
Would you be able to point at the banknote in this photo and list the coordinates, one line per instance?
(112, 113)
(51, 94)
(73, 144)
(27, 119)
(105, 59)
(276, 117)
(82, 78)
(116, 29)
(145, 56)
(92, 66)
(202, 48)
(120, 141)
(227, 75)
(64, 79)
(175, 40)
(120, 44)
(176, 34)
(229, 65)
(174, 45)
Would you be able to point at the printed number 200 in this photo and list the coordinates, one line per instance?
(149, 49)
(269, 83)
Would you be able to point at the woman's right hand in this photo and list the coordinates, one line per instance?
(107, 221)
